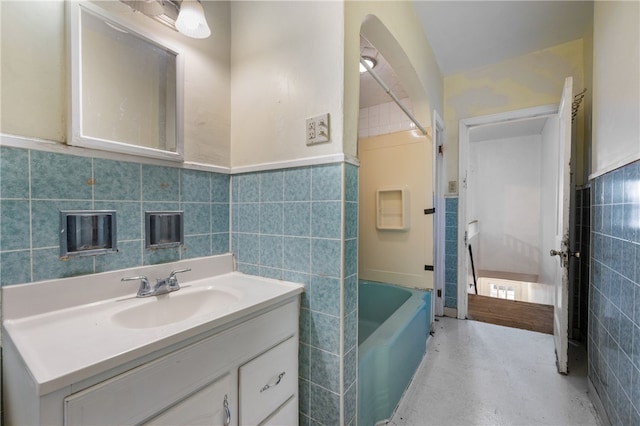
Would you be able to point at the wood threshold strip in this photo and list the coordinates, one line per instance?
(511, 313)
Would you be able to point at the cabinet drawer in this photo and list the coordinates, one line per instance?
(268, 381)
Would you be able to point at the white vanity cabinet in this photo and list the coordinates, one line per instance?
(227, 377)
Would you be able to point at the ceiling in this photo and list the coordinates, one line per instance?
(470, 34)
(508, 129)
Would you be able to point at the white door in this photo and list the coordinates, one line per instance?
(561, 249)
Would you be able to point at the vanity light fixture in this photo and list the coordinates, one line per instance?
(148, 7)
(186, 16)
(191, 20)
(370, 61)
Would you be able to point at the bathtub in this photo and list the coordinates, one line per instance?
(393, 327)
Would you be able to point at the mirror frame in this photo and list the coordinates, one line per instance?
(76, 135)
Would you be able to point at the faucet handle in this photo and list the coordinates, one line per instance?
(141, 277)
(173, 281)
(145, 288)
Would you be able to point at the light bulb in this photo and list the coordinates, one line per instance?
(370, 61)
(191, 20)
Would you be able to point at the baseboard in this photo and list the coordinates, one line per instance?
(597, 403)
(450, 312)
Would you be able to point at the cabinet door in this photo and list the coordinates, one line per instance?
(268, 381)
(286, 415)
(215, 404)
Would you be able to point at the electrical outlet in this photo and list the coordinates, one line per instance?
(318, 129)
(311, 130)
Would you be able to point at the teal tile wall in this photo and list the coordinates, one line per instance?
(614, 293)
(451, 253)
(287, 224)
(36, 185)
(350, 335)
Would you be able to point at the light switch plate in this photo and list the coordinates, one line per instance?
(318, 129)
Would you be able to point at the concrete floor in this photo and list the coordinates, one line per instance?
(482, 374)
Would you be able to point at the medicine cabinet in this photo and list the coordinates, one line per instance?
(126, 86)
(392, 208)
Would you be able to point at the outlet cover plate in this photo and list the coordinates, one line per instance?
(318, 129)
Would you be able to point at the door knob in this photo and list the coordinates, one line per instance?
(568, 253)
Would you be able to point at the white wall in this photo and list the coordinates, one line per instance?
(616, 85)
(505, 187)
(549, 199)
(287, 66)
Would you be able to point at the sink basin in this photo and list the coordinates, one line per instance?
(174, 307)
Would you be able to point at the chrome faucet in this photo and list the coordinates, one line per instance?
(145, 288)
(162, 286)
(173, 280)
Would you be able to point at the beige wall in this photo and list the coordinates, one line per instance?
(396, 161)
(34, 73)
(530, 80)
(616, 85)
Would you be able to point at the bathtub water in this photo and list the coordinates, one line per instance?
(393, 327)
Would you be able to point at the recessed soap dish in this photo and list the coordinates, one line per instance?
(163, 229)
(87, 232)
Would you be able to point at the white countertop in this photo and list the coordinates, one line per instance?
(64, 346)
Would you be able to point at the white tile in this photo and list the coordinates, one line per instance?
(374, 116)
(363, 123)
(395, 127)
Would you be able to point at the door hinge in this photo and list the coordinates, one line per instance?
(440, 150)
(429, 211)
(439, 292)
(465, 238)
(428, 267)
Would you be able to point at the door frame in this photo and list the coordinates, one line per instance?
(439, 217)
(464, 128)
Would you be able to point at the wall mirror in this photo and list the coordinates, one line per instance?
(126, 86)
